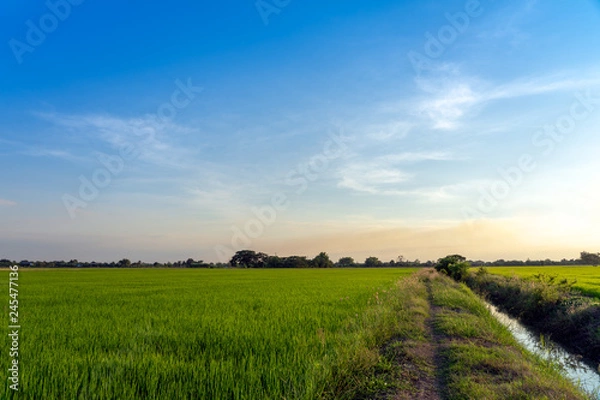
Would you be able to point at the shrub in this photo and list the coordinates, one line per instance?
(455, 266)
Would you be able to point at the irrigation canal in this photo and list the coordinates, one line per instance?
(582, 374)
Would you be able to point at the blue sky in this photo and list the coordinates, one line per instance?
(161, 131)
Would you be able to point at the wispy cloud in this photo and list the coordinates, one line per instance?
(152, 139)
(508, 23)
(385, 174)
(7, 203)
(167, 164)
(24, 149)
(372, 178)
(446, 107)
(54, 153)
(395, 129)
(419, 156)
(532, 86)
(449, 96)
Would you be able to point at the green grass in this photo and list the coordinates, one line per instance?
(218, 334)
(264, 334)
(547, 302)
(481, 359)
(588, 278)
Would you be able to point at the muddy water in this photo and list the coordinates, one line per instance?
(581, 374)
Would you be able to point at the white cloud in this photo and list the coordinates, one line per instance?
(459, 194)
(61, 154)
(446, 107)
(372, 178)
(418, 156)
(166, 166)
(152, 139)
(448, 97)
(391, 130)
(507, 24)
(383, 175)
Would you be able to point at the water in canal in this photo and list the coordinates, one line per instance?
(573, 368)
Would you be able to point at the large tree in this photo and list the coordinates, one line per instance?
(590, 258)
(322, 261)
(371, 262)
(296, 262)
(248, 259)
(346, 262)
(275, 262)
(124, 263)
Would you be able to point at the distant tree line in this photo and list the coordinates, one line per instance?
(252, 259)
(124, 263)
(585, 258)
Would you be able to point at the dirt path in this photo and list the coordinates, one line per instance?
(456, 349)
(424, 358)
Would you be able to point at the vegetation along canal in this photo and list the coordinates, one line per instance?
(574, 369)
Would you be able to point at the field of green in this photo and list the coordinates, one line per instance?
(206, 334)
(588, 278)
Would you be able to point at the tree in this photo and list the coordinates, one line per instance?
(322, 261)
(590, 258)
(455, 266)
(6, 263)
(274, 262)
(124, 263)
(196, 264)
(372, 262)
(346, 262)
(248, 259)
(296, 262)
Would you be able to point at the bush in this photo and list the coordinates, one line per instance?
(455, 266)
(459, 271)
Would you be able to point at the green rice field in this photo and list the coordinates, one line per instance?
(170, 334)
(587, 277)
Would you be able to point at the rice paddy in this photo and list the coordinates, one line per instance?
(218, 334)
(587, 277)
(264, 334)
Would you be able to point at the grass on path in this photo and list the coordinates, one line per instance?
(468, 354)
